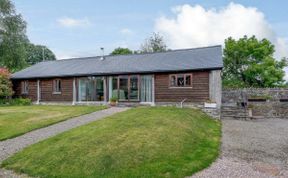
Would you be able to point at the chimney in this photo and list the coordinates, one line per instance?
(102, 57)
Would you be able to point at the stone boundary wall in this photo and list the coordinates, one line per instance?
(257, 102)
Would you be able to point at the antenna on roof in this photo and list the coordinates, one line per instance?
(102, 57)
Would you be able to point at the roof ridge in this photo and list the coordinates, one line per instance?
(169, 51)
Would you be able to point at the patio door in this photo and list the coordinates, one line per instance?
(146, 88)
(124, 87)
(91, 89)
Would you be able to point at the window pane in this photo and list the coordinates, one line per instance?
(173, 80)
(123, 88)
(188, 80)
(146, 88)
(99, 89)
(180, 80)
(134, 88)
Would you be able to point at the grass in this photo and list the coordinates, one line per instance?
(141, 142)
(17, 120)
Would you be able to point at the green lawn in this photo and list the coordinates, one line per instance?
(17, 120)
(141, 142)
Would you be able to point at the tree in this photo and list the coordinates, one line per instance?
(249, 62)
(35, 54)
(13, 37)
(5, 84)
(155, 43)
(119, 51)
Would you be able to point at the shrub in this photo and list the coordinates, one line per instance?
(113, 99)
(5, 84)
(15, 102)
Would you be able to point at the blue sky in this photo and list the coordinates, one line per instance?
(79, 28)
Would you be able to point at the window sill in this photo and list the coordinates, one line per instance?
(24, 93)
(56, 93)
(179, 87)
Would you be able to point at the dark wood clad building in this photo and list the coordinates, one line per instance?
(190, 75)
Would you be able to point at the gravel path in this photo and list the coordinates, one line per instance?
(256, 148)
(11, 146)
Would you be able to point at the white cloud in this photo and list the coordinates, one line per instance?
(126, 31)
(71, 22)
(195, 26)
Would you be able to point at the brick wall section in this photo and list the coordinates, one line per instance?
(198, 93)
(46, 86)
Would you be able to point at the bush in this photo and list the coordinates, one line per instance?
(15, 102)
(5, 84)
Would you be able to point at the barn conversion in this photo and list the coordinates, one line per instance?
(193, 75)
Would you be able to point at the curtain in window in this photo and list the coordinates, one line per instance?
(146, 88)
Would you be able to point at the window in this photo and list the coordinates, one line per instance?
(181, 80)
(24, 87)
(57, 86)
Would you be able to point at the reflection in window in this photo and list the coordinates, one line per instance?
(181, 80)
(123, 88)
(133, 88)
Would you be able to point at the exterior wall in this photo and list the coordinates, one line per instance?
(46, 90)
(215, 87)
(199, 92)
(32, 89)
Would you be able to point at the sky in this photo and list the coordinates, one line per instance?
(74, 28)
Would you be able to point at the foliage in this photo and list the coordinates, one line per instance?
(15, 102)
(12, 37)
(16, 52)
(120, 51)
(155, 43)
(113, 99)
(35, 54)
(5, 84)
(18, 120)
(140, 142)
(249, 62)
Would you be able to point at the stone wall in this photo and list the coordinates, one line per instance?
(255, 103)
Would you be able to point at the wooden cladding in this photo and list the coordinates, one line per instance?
(29, 92)
(198, 93)
(46, 90)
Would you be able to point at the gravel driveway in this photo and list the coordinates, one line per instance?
(257, 148)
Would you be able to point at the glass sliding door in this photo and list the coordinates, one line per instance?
(146, 88)
(134, 88)
(91, 89)
(123, 88)
(113, 87)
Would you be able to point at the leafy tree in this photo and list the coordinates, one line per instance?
(35, 54)
(249, 62)
(13, 37)
(5, 84)
(119, 51)
(155, 43)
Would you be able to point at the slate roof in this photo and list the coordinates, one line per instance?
(170, 61)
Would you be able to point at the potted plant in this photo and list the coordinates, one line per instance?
(113, 101)
(210, 104)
